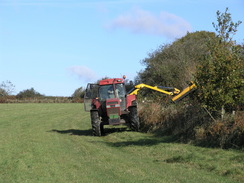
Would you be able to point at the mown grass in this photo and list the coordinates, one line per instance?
(53, 143)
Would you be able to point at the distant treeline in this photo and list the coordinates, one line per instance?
(40, 99)
(32, 96)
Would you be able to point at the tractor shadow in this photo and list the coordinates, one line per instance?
(73, 132)
(88, 132)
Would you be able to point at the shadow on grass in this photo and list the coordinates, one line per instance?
(107, 131)
(74, 132)
(143, 142)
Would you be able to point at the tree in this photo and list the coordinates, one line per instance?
(219, 76)
(6, 88)
(78, 93)
(29, 93)
(3, 92)
(225, 27)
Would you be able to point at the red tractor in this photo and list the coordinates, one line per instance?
(109, 104)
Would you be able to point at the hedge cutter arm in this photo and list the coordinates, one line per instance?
(178, 95)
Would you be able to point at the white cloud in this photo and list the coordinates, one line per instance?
(141, 21)
(84, 73)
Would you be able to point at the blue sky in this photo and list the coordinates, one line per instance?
(57, 46)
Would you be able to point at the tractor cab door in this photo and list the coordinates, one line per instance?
(91, 93)
(121, 94)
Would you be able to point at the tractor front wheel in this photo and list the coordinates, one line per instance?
(134, 119)
(96, 123)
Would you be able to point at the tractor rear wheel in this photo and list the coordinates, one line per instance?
(96, 124)
(134, 119)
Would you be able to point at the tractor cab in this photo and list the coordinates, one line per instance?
(108, 97)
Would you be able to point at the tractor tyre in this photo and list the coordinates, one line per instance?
(134, 119)
(96, 124)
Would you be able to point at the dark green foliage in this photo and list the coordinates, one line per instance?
(219, 76)
(29, 93)
(174, 64)
(78, 93)
(128, 85)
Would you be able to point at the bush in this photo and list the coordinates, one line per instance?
(226, 133)
(174, 119)
(189, 122)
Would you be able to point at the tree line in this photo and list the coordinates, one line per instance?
(31, 95)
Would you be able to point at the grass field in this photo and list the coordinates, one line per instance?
(53, 143)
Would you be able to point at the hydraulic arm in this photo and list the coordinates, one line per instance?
(178, 95)
(162, 89)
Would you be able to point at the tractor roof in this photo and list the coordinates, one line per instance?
(111, 81)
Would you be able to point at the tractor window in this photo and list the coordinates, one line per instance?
(120, 90)
(106, 91)
(91, 91)
(120, 93)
